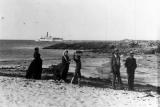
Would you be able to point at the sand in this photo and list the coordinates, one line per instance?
(19, 92)
(16, 91)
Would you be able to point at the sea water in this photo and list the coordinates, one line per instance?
(20, 52)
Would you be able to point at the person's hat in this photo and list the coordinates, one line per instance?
(116, 50)
(131, 52)
(65, 51)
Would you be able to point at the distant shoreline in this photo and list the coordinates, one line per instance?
(84, 40)
(139, 47)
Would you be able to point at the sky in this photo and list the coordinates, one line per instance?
(80, 19)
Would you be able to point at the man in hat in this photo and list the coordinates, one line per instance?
(131, 65)
(115, 68)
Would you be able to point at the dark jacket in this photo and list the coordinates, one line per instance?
(65, 60)
(38, 72)
(36, 54)
(77, 59)
(35, 68)
(115, 62)
(131, 63)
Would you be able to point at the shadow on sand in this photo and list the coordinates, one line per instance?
(89, 82)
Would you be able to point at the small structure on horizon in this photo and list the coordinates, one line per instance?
(48, 38)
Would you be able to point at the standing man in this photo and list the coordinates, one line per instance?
(115, 68)
(77, 74)
(131, 65)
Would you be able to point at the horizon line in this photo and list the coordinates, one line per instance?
(88, 40)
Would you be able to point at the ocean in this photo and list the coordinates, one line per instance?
(20, 52)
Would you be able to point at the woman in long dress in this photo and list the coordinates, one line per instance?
(35, 68)
(65, 64)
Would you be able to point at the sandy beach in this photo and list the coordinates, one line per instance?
(18, 92)
(95, 91)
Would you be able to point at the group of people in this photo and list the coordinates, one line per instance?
(35, 69)
(130, 64)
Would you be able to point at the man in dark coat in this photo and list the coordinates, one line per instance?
(131, 65)
(77, 74)
(65, 63)
(35, 68)
(115, 68)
